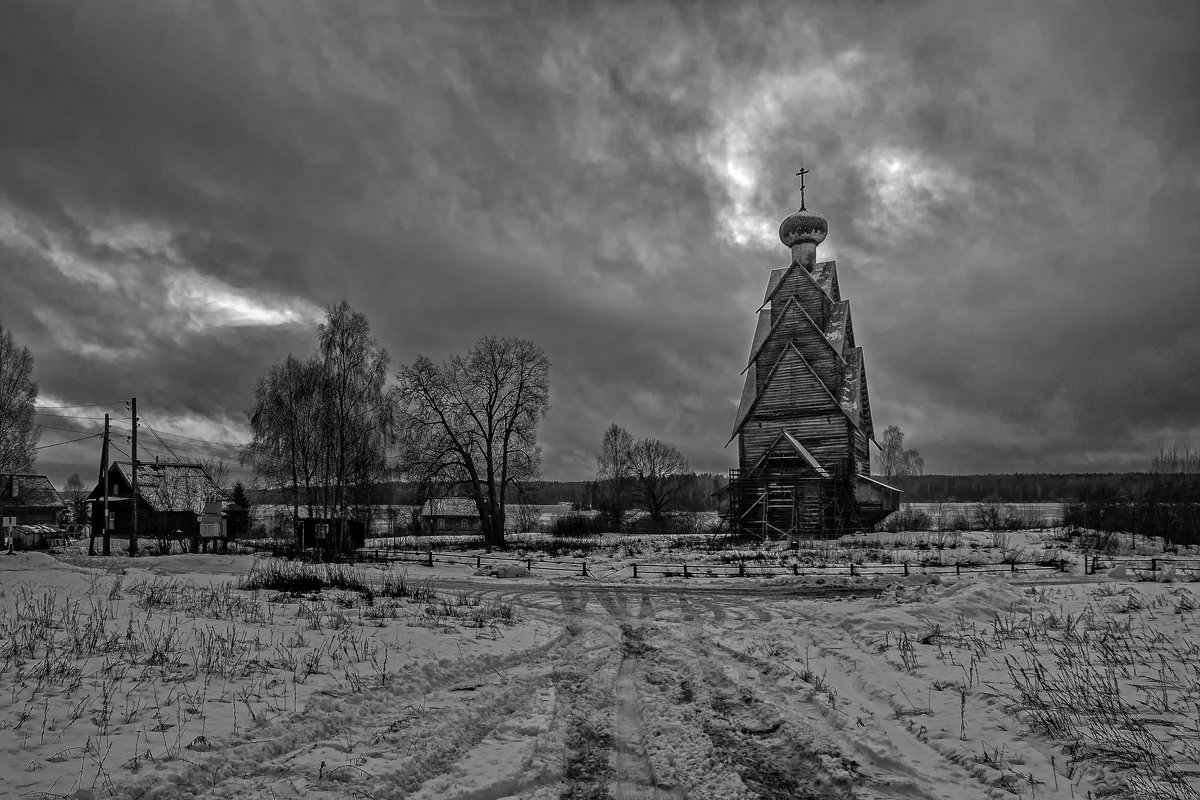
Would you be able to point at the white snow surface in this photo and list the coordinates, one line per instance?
(155, 678)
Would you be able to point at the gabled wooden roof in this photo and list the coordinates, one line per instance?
(792, 443)
(774, 283)
(33, 491)
(791, 303)
(450, 507)
(166, 485)
(746, 410)
(835, 330)
(825, 274)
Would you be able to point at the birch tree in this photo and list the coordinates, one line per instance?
(894, 459)
(323, 427)
(613, 474)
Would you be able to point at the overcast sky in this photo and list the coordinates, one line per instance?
(1013, 195)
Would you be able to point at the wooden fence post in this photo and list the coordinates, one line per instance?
(1153, 565)
(685, 572)
(478, 562)
(529, 564)
(741, 569)
(957, 568)
(906, 569)
(795, 569)
(635, 570)
(430, 555)
(851, 569)
(584, 573)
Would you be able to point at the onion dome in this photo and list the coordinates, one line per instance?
(804, 226)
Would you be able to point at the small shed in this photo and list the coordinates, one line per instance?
(451, 515)
(332, 535)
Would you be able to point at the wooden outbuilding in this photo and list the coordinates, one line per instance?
(804, 423)
(451, 515)
(332, 535)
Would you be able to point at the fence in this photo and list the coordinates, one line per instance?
(1153, 566)
(685, 570)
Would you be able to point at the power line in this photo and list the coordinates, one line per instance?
(92, 405)
(69, 441)
(64, 416)
(68, 430)
(224, 451)
(173, 436)
(156, 436)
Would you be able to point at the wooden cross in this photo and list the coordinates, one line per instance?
(801, 175)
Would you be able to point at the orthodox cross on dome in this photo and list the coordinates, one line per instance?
(801, 175)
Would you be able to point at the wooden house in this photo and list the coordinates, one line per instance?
(804, 421)
(30, 500)
(35, 510)
(175, 500)
(451, 515)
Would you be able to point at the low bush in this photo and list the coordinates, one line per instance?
(906, 519)
(577, 525)
(296, 577)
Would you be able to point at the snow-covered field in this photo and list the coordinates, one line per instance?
(155, 677)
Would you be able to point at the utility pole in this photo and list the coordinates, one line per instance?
(133, 543)
(104, 547)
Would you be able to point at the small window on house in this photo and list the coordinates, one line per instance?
(322, 531)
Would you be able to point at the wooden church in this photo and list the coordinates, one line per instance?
(804, 422)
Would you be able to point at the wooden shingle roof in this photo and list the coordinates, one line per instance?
(450, 507)
(32, 491)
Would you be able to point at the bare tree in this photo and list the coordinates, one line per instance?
(18, 391)
(614, 477)
(1176, 459)
(74, 493)
(172, 490)
(658, 470)
(894, 459)
(472, 421)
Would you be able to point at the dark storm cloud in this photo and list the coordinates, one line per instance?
(1011, 192)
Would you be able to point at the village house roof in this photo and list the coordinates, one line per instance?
(32, 491)
(166, 486)
(450, 507)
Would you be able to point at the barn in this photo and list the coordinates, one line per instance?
(450, 515)
(803, 425)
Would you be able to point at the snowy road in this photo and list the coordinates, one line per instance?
(645, 692)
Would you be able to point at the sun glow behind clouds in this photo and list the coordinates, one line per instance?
(754, 116)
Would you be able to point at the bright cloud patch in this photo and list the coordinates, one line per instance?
(905, 186)
(754, 115)
(209, 303)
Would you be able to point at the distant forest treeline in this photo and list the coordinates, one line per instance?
(1074, 487)
(697, 493)
(699, 489)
